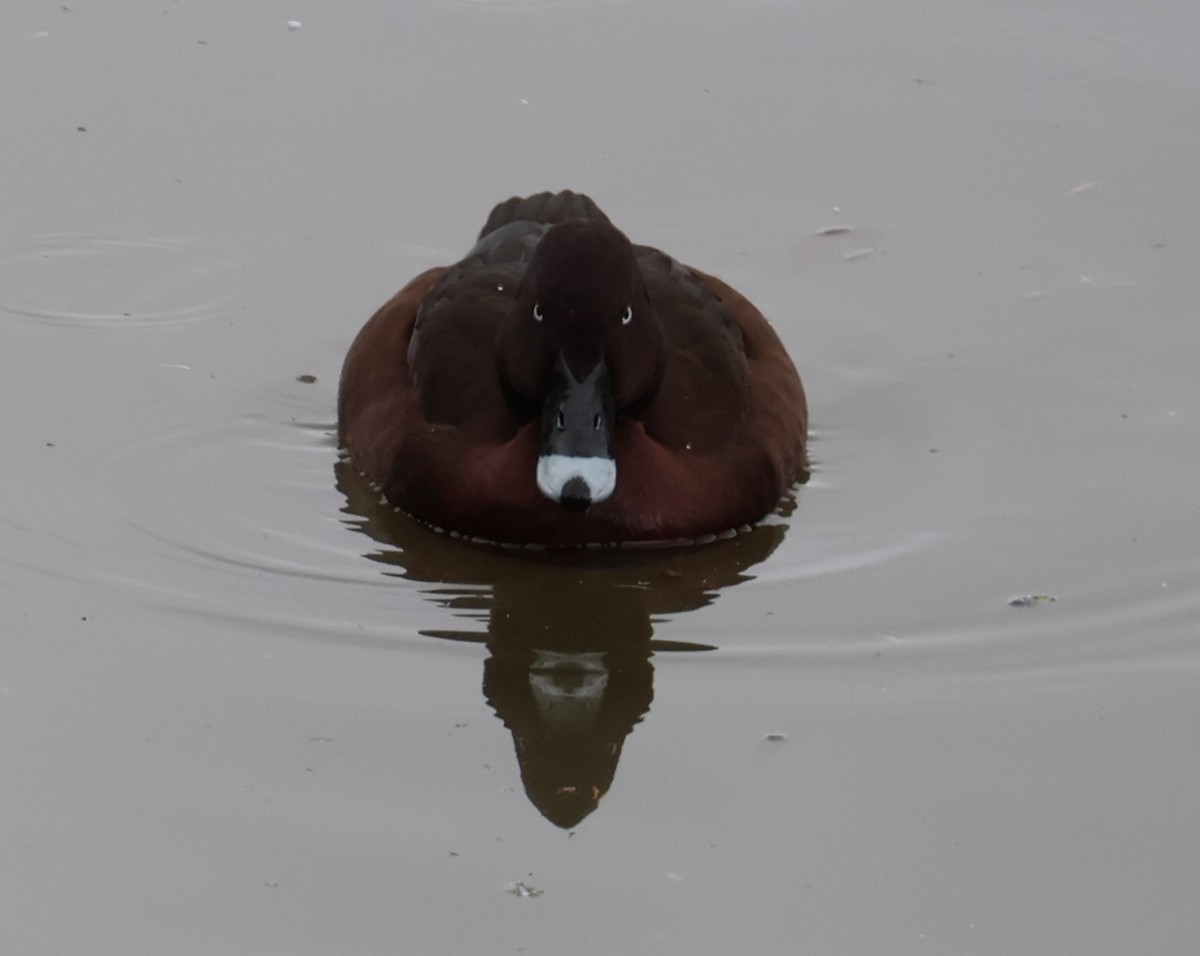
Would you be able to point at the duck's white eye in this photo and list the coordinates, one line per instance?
(627, 317)
(537, 313)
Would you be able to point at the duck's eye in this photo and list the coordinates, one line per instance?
(560, 421)
(537, 312)
(597, 422)
(627, 317)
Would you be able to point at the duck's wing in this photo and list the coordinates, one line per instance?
(729, 387)
(704, 392)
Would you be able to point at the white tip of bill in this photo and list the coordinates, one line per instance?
(597, 475)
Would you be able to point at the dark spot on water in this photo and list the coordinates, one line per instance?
(306, 379)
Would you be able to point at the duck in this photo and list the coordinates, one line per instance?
(560, 386)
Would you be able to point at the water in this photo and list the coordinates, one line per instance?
(250, 709)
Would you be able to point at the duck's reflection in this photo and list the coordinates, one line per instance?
(570, 634)
(569, 713)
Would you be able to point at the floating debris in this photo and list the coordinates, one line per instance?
(833, 231)
(306, 379)
(521, 888)
(1031, 600)
(775, 738)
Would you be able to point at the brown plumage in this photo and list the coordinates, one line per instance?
(452, 394)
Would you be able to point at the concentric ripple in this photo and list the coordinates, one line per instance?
(180, 492)
(92, 281)
(251, 518)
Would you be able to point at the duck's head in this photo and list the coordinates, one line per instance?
(584, 344)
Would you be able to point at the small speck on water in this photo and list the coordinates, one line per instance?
(306, 379)
(775, 738)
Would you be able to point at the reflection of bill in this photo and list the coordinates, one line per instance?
(569, 715)
(570, 633)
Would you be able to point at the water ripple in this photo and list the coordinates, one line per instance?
(98, 281)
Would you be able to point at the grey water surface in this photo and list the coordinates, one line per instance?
(244, 708)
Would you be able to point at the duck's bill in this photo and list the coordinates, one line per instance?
(574, 481)
(576, 466)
